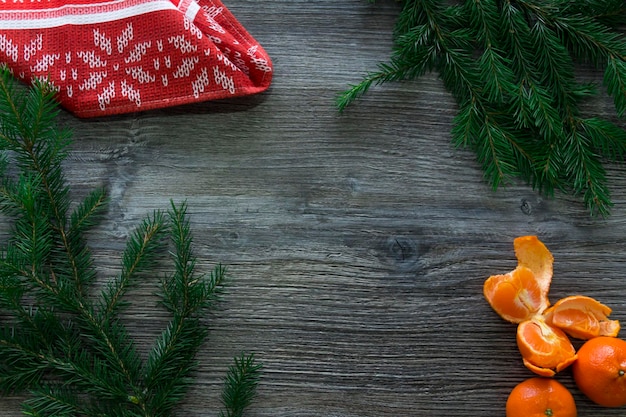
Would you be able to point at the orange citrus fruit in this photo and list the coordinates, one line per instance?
(582, 317)
(600, 371)
(540, 397)
(534, 255)
(545, 350)
(521, 296)
(515, 296)
(523, 292)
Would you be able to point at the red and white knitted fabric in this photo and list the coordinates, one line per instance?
(117, 56)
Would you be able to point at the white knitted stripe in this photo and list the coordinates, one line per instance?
(83, 14)
(192, 11)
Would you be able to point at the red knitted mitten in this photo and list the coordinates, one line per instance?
(118, 56)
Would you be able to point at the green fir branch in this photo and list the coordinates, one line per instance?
(54, 401)
(89, 212)
(615, 82)
(63, 344)
(141, 250)
(170, 362)
(511, 66)
(240, 385)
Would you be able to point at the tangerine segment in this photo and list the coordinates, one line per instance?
(540, 397)
(546, 350)
(515, 296)
(534, 255)
(582, 317)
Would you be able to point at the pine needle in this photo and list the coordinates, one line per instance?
(63, 345)
(511, 66)
(240, 386)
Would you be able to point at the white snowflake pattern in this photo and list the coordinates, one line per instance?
(90, 57)
(227, 63)
(224, 80)
(93, 81)
(125, 37)
(212, 11)
(102, 41)
(131, 93)
(33, 47)
(108, 93)
(193, 29)
(185, 68)
(138, 52)
(200, 83)
(215, 39)
(260, 63)
(240, 63)
(9, 48)
(49, 83)
(140, 75)
(45, 62)
(182, 44)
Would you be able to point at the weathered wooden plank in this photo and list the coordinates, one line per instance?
(356, 244)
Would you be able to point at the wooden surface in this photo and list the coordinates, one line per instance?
(356, 244)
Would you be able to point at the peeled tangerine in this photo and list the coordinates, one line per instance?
(582, 317)
(521, 296)
(516, 296)
(523, 292)
(545, 349)
(534, 255)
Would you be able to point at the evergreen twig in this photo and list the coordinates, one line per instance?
(240, 386)
(60, 343)
(511, 66)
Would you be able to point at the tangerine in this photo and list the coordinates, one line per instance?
(516, 296)
(545, 350)
(582, 317)
(540, 397)
(600, 371)
(534, 255)
(521, 296)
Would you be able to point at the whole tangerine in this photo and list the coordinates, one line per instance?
(600, 371)
(540, 397)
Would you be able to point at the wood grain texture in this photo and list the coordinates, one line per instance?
(356, 244)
